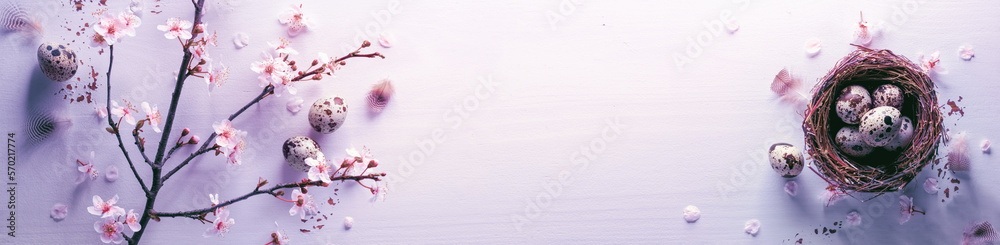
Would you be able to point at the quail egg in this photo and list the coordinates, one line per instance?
(849, 141)
(853, 102)
(786, 160)
(888, 95)
(904, 137)
(299, 148)
(879, 125)
(328, 114)
(57, 61)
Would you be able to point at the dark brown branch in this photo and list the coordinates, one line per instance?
(142, 148)
(195, 214)
(111, 123)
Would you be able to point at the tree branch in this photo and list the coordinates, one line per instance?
(114, 128)
(142, 148)
(271, 191)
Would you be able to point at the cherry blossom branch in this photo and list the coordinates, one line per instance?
(263, 94)
(140, 144)
(114, 128)
(211, 138)
(196, 214)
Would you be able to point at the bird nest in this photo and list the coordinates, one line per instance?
(882, 171)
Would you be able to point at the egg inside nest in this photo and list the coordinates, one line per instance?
(879, 156)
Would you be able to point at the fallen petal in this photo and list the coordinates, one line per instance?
(813, 46)
(931, 186)
(691, 213)
(752, 227)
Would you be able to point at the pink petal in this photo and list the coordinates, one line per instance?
(386, 40)
(853, 218)
(752, 227)
(59, 211)
(241, 39)
(348, 223)
(112, 174)
(691, 213)
(931, 186)
(966, 52)
(985, 146)
(813, 46)
(294, 104)
(792, 188)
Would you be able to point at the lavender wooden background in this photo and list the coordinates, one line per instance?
(560, 74)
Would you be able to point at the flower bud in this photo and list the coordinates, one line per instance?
(373, 163)
(194, 140)
(347, 162)
(315, 62)
(185, 132)
(291, 63)
(366, 44)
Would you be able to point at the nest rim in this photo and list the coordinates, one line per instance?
(847, 174)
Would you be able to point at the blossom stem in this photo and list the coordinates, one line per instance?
(194, 214)
(111, 122)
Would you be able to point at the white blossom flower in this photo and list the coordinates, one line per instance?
(110, 28)
(176, 28)
(153, 114)
(303, 204)
(123, 113)
(319, 168)
(132, 220)
(87, 169)
(221, 225)
(106, 209)
(296, 20)
(110, 229)
(226, 135)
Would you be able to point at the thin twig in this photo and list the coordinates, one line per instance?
(142, 148)
(271, 191)
(111, 123)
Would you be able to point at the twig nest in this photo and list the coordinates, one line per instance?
(888, 95)
(328, 114)
(299, 148)
(879, 125)
(57, 61)
(786, 160)
(854, 101)
(849, 141)
(902, 131)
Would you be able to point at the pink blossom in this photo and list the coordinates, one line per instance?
(199, 51)
(931, 64)
(132, 220)
(221, 225)
(87, 169)
(295, 19)
(215, 202)
(234, 155)
(176, 28)
(110, 28)
(102, 112)
(59, 211)
(110, 229)
(864, 32)
(380, 191)
(216, 77)
(319, 168)
(303, 204)
(272, 72)
(853, 218)
(128, 22)
(227, 136)
(906, 209)
(153, 115)
(106, 209)
(358, 157)
(279, 237)
(283, 48)
(931, 186)
(123, 113)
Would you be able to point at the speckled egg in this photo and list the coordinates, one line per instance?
(297, 149)
(879, 125)
(327, 114)
(903, 137)
(57, 61)
(853, 102)
(850, 142)
(888, 95)
(786, 160)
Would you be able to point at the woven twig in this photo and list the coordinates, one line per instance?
(871, 67)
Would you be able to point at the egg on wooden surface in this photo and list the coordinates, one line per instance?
(786, 160)
(57, 61)
(328, 114)
(299, 148)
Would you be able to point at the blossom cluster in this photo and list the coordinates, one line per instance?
(230, 142)
(115, 219)
(111, 28)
